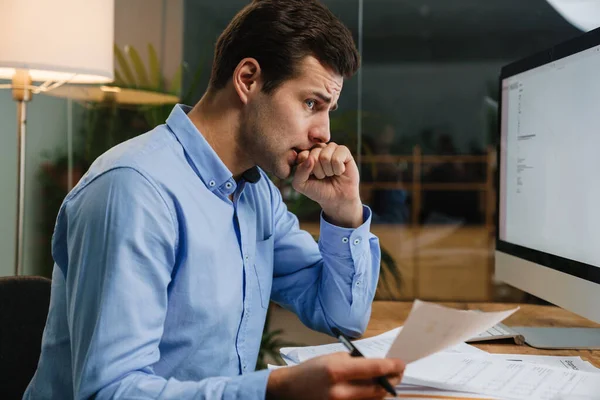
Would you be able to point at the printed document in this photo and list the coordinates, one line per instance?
(499, 378)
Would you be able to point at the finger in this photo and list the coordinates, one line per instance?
(366, 368)
(395, 379)
(303, 170)
(357, 390)
(340, 157)
(317, 169)
(325, 158)
(302, 156)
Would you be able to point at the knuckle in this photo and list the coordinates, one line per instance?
(332, 373)
(335, 394)
(324, 157)
(338, 393)
(379, 370)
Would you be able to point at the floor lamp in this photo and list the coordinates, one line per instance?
(52, 42)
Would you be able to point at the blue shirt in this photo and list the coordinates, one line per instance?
(161, 283)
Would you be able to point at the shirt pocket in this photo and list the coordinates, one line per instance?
(263, 267)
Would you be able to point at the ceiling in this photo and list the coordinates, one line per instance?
(435, 30)
(427, 17)
(450, 17)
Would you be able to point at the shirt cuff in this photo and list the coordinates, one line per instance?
(249, 386)
(345, 242)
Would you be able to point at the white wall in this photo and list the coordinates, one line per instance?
(139, 22)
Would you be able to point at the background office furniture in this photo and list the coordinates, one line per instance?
(24, 303)
(438, 262)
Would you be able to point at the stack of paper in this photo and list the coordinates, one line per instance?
(373, 347)
(439, 363)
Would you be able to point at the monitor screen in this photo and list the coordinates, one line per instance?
(549, 168)
(551, 158)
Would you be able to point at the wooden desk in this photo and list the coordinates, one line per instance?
(387, 315)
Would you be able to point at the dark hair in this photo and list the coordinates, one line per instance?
(279, 34)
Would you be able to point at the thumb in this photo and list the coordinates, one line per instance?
(303, 172)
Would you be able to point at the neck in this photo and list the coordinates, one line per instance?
(218, 120)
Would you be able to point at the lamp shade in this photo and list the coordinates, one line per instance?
(57, 40)
(583, 14)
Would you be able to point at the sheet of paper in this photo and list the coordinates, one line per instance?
(505, 379)
(374, 347)
(431, 328)
(574, 363)
(421, 392)
(271, 367)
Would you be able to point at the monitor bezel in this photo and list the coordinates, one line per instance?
(575, 268)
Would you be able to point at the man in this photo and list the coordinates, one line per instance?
(169, 249)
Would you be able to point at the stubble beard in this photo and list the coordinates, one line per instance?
(260, 144)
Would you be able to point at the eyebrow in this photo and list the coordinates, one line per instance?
(325, 99)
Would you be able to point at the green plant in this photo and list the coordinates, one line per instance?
(390, 277)
(270, 344)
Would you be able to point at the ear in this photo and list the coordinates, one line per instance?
(247, 79)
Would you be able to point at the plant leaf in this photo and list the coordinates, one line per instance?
(138, 65)
(119, 81)
(187, 98)
(175, 86)
(124, 66)
(155, 73)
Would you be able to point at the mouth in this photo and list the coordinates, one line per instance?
(295, 152)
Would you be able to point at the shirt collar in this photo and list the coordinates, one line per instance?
(211, 170)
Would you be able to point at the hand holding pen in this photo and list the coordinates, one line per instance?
(354, 352)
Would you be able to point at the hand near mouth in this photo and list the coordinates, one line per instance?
(328, 174)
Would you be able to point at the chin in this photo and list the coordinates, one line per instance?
(283, 174)
(282, 171)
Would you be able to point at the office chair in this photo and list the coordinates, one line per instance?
(24, 302)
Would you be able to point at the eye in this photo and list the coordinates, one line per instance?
(310, 103)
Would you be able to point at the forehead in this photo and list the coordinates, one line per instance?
(312, 75)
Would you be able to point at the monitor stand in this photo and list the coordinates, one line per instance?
(560, 338)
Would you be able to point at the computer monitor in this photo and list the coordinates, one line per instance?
(548, 220)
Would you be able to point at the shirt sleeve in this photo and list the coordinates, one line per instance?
(120, 244)
(331, 284)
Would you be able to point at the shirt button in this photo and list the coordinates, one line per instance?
(345, 240)
(228, 185)
(246, 257)
(212, 183)
(356, 241)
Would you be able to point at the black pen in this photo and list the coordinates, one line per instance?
(381, 380)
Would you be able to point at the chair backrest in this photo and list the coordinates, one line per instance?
(24, 302)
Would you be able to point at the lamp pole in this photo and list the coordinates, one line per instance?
(21, 90)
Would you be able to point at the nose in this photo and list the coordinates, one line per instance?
(320, 132)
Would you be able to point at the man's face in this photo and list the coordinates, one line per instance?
(294, 117)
